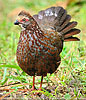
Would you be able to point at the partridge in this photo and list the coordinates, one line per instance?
(41, 40)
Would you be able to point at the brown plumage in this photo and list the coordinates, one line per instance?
(41, 40)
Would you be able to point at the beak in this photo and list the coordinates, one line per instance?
(16, 22)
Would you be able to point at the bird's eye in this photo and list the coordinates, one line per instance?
(24, 19)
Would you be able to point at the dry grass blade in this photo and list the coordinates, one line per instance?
(6, 95)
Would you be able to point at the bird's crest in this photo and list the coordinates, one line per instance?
(24, 13)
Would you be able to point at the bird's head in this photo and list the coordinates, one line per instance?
(24, 19)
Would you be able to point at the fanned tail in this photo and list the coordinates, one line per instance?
(68, 31)
(56, 18)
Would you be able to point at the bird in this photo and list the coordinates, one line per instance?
(41, 40)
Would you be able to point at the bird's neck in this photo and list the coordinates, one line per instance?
(31, 32)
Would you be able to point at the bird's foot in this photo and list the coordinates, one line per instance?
(38, 91)
(33, 88)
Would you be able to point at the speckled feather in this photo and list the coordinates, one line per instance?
(41, 40)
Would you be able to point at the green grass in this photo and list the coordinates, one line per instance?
(70, 80)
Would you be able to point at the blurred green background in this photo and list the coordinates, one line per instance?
(73, 66)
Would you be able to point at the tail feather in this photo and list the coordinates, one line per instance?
(72, 39)
(60, 14)
(63, 17)
(64, 23)
(68, 27)
(72, 32)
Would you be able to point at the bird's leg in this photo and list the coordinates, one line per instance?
(40, 88)
(33, 87)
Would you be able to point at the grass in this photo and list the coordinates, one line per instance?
(70, 80)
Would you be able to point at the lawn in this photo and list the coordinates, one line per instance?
(69, 80)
